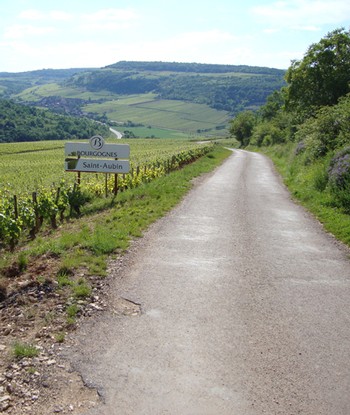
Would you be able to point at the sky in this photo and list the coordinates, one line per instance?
(41, 34)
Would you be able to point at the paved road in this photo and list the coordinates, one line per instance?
(117, 133)
(245, 309)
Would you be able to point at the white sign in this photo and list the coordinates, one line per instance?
(97, 166)
(97, 142)
(115, 151)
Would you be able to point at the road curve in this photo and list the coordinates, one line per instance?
(244, 308)
(118, 134)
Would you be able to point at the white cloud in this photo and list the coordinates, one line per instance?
(109, 19)
(23, 31)
(59, 15)
(211, 36)
(31, 15)
(303, 14)
(36, 15)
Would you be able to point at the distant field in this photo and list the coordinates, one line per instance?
(36, 93)
(150, 132)
(146, 109)
(25, 167)
(166, 114)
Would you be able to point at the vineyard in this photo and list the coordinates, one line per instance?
(35, 190)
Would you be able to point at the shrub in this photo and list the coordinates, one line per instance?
(300, 148)
(339, 178)
(267, 133)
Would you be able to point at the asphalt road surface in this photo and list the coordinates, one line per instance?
(236, 303)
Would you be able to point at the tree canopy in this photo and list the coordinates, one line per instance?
(322, 76)
(223, 87)
(26, 123)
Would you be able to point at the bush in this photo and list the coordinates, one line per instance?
(242, 126)
(267, 133)
(339, 178)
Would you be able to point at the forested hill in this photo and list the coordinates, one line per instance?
(194, 67)
(223, 87)
(15, 82)
(24, 123)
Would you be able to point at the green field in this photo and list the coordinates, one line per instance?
(166, 114)
(25, 167)
(36, 93)
(146, 109)
(152, 132)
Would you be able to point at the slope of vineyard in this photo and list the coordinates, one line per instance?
(28, 166)
(176, 115)
(35, 189)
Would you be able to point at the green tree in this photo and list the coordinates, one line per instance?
(327, 131)
(321, 77)
(242, 126)
(273, 106)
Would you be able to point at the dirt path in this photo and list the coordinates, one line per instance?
(236, 303)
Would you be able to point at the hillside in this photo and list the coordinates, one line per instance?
(188, 98)
(223, 87)
(14, 83)
(24, 123)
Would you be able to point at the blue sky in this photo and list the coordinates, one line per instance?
(37, 34)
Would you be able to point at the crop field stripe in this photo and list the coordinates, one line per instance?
(32, 166)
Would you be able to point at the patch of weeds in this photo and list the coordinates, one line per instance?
(22, 261)
(41, 279)
(70, 239)
(76, 258)
(70, 321)
(64, 281)
(60, 337)
(320, 180)
(94, 264)
(82, 289)
(22, 350)
(63, 277)
(97, 265)
(102, 241)
(64, 270)
(72, 311)
(49, 317)
(42, 247)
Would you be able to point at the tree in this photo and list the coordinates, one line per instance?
(273, 106)
(242, 126)
(321, 77)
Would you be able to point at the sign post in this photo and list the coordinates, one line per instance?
(97, 157)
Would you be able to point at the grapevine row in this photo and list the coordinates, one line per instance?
(24, 215)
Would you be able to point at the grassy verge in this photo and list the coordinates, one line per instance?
(106, 228)
(307, 184)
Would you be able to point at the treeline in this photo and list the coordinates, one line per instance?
(313, 113)
(223, 87)
(193, 67)
(25, 123)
